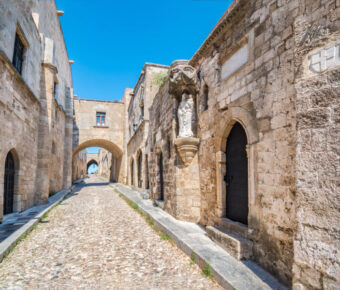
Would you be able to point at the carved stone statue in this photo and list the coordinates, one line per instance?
(183, 89)
(185, 116)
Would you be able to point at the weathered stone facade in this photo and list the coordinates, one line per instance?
(79, 165)
(35, 102)
(106, 165)
(243, 138)
(107, 133)
(138, 123)
(270, 67)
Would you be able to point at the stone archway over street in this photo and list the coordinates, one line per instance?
(100, 124)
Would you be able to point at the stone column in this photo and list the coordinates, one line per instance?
(68, 139)
(42, 176)
(220, 183)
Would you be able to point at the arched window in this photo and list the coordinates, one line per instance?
(204, 99)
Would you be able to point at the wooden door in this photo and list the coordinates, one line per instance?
(237, 175)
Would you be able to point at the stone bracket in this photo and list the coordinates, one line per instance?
(187, 148)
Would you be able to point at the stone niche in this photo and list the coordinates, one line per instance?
(183, 91)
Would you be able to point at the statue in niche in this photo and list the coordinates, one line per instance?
(183, 87)
(185, 115)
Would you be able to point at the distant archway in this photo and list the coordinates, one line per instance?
(91, 162)
(113, 148)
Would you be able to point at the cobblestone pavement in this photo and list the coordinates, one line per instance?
(94, 240)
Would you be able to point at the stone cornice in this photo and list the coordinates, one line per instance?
(228, 17)
(99, 101)
(17, 76)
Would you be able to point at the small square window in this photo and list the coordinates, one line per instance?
(18, 55)
(100, 117)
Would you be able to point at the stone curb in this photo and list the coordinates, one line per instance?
(229, 273)
(11, 241)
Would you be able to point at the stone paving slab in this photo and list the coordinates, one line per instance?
(17, 224)
(95, 240)
(189, 237)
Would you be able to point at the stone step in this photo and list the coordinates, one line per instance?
(234, 227)
(239, 247)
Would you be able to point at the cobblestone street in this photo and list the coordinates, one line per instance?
(92, 240)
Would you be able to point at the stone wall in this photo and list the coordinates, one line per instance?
(249, 71)
(138, 122)
(258, 93)
(317, 65)
(106, 165)
(79, 165)
(110, 136)
(47, 121)
(181, 194)
(19, 114)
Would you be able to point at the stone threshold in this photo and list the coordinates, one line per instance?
(192, 239)
(16, 225)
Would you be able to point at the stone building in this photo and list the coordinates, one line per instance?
(100, 124)
(79, 165)
(138, 122)
(106, 165)
(244, 138)
(35, 105)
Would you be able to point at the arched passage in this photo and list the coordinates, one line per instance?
(114, 149)
(106, 144)
(91, 162)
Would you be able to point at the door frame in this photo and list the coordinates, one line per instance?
(247, 121)
(17, 204)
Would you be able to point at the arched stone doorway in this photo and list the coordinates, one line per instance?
(10, 181)
(139, 169)
(132, 169)
(161, 177)
(236, 177)
(146, 172)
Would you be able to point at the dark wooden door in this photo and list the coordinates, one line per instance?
(161, 180)
(237, 175)
(140, 181)
(146, 172)
(9, 184)
(132, 173)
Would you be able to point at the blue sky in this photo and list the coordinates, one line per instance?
(110, 40)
